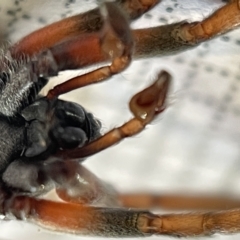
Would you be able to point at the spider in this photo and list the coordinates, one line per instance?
(44, 140)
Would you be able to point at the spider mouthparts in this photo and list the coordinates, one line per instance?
(146, 104)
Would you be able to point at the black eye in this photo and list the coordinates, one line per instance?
(70, 112)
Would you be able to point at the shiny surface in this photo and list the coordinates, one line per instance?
(193, 146)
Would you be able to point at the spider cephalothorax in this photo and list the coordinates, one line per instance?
(44, 140)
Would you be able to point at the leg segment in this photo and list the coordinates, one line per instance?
(220, 22)
(87, 49)
(177, 202)
(145, 105)
(80, 219)
(51, 35)
(191, 224)
(157, 41)
(169, 39)
(88, 22)
(74, 218)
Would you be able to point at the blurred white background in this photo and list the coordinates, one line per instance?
(193, 147)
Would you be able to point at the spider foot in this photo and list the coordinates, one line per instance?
(118, 222)
(115, 41)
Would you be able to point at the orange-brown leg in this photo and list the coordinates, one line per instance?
(80, 219)
(145, 106)
(177, 202)
(74, 218)
(88, 22)
(88, 49)
(51, 35)
(157, 41)
(169, 39)
(116, 42)
(177, 37)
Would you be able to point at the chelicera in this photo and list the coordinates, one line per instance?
(44, 140)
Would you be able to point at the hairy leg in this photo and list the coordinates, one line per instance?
(112, 222)
(84, 23)
(169, 39)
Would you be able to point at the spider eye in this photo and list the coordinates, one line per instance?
(75, 115)
(70, 113)
(54, 124)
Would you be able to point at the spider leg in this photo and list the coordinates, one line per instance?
(116, 42)
(96, 47)
(76, 184)
(85, 220)
(177, 202)
(88, 49)
(169, 39)
(145, 105)
(88, 22)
